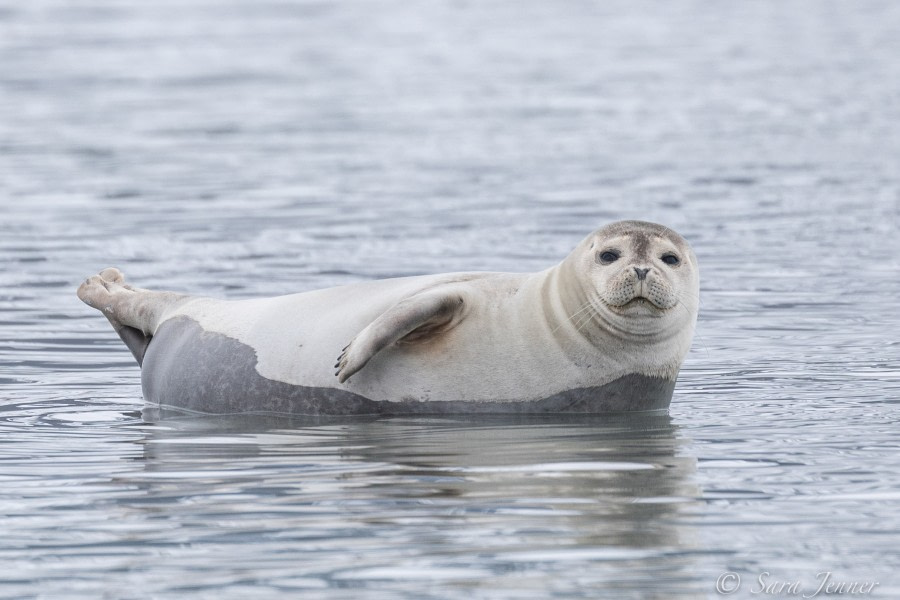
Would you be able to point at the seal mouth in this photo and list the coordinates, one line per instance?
(640, 303)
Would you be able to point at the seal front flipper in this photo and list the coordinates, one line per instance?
(412, 319)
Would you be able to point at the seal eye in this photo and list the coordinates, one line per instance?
(670, 259)
(608, 256)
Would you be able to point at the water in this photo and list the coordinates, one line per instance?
(248, 149)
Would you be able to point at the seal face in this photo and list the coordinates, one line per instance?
(647, 278)
(604, 330)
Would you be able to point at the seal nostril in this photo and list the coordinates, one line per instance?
(641, 273)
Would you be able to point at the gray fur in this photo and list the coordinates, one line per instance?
(136, 341)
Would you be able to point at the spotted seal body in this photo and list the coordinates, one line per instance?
(604, 330)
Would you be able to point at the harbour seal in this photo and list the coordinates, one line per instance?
(604, 330)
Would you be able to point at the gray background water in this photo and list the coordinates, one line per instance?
(243, 149)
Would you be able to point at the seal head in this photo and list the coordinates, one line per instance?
(640, 281)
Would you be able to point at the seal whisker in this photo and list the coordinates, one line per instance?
(590, 317)
(680, 304)
(583, 307)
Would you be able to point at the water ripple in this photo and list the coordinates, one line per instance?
(240, 150)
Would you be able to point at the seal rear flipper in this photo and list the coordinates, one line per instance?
(413, 319)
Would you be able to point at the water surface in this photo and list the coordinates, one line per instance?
(247, 149)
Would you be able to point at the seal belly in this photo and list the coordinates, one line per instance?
(191, 369)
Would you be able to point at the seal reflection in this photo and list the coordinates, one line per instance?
(369, 499)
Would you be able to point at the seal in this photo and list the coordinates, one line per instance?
(604, 330)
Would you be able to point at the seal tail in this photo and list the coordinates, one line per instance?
(135, 339)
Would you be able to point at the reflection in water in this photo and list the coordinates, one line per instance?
(381, 499)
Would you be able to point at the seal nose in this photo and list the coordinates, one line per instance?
(641, 273)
